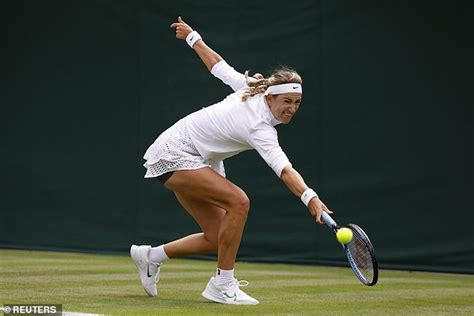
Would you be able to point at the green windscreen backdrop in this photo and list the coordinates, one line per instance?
(384, 133)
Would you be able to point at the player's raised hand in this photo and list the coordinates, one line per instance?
(182, 29)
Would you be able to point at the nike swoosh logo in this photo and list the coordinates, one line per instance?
(234, 297)
(191, 38)
(148, 271)
(295, 87)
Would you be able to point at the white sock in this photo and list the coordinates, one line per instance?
(158, 254)
(224, 276)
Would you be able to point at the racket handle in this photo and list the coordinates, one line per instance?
(328, 220)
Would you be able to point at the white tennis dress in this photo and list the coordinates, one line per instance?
(208, 136)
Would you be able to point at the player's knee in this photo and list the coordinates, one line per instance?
(240, 204)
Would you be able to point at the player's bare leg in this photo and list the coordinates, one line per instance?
(203, 192)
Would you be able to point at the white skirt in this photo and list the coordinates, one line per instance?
(174, 150)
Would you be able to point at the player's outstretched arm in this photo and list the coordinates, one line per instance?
(294, 181)
(207, 55)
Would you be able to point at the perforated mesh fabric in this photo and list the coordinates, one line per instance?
(174, 150)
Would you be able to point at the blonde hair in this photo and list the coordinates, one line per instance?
(258, 84)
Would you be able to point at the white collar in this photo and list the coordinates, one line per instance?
(269, 113)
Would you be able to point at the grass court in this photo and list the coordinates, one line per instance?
(108, 284)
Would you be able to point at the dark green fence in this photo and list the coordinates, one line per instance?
(384, 132)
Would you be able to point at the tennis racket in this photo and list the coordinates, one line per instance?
(359, 251)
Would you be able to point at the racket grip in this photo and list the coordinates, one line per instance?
(328, 220)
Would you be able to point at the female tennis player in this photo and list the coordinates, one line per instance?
(188, 159)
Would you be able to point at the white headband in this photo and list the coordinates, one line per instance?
(284, 88)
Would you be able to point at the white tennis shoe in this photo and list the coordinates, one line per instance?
(149, 272)
(229, 293)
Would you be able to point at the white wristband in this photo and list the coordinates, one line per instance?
(192, 38)
(308, 195)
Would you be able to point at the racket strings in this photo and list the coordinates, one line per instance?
(361, 256)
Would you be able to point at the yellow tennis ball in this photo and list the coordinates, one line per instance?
(344, 235)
